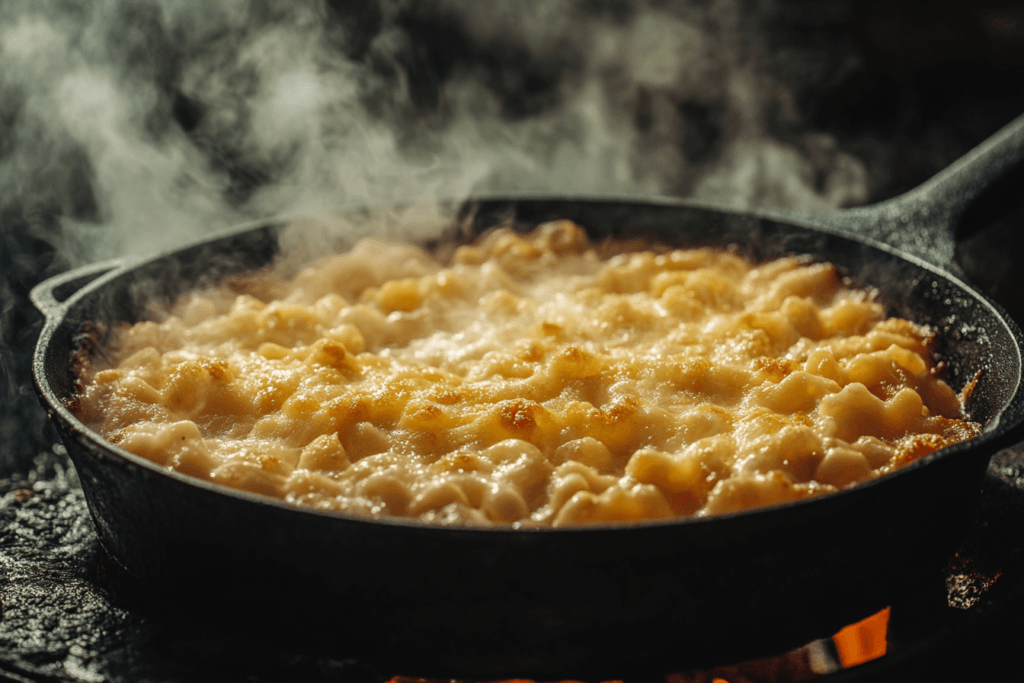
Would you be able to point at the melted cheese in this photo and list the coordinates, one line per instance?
(530, 381)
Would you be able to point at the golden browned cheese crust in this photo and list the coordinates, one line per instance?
(531, 381)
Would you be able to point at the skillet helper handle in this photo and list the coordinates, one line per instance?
(49, 296)
(923, 222)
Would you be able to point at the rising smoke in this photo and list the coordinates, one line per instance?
(127, 126)
(161, 120)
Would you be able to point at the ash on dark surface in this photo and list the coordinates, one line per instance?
(56, 621)
(70, 614)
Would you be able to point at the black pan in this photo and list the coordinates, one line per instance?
(591, 602)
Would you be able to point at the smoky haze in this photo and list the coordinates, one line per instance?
(150, 122)
(128, 126)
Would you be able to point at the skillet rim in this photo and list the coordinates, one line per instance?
(996, 432)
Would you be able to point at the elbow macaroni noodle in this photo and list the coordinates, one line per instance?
(529, 382)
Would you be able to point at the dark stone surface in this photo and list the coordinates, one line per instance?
(69, 614)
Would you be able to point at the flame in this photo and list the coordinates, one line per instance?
(855, 644)
(863, 641)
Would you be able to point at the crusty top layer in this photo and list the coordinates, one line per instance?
(532, 381)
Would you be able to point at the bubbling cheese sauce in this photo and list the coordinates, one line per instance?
(534, 380)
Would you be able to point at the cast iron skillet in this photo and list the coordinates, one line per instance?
(590, 602)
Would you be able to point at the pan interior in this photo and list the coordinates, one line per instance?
(974, 341)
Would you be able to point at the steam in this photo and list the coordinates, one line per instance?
(293, 115)
(130, 126)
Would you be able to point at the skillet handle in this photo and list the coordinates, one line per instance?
(49, 295)
(923, 222)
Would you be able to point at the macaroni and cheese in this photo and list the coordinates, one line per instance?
(531, 380)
